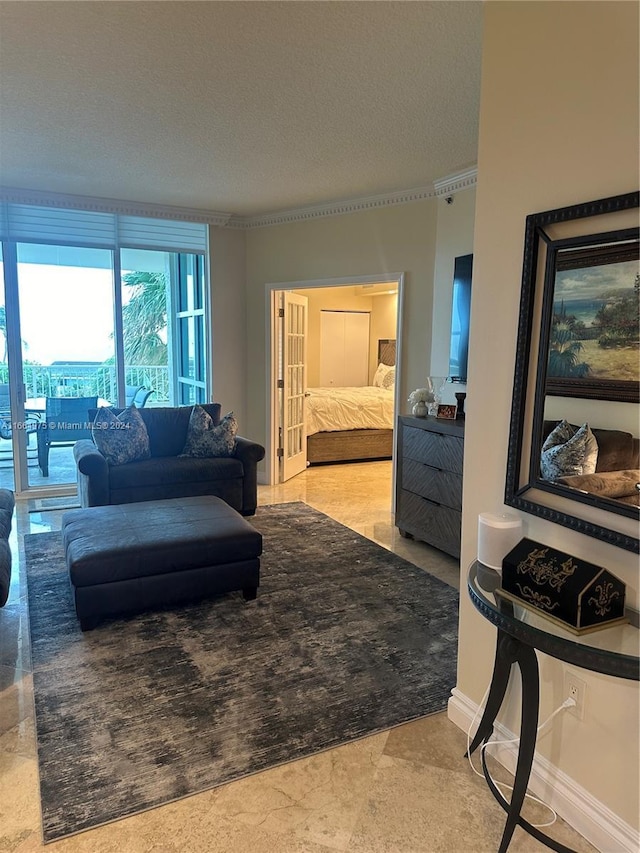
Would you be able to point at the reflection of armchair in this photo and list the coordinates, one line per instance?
(137, 395)
(66, 421)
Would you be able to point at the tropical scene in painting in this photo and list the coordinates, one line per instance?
(595, 327)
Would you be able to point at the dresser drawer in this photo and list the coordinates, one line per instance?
(443, 487)
(440, 526)
(433, 448)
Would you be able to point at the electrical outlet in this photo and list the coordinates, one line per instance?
(575, 688)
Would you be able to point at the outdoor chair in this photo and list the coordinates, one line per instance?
(66, 421)
(31, 422)
(137, 394)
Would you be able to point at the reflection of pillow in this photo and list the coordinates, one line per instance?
(559, 435)
(121, 438)
(380, 375)
(390, 379)
(207, 439)
(568, 452)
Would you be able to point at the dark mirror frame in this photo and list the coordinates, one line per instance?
(612, 221)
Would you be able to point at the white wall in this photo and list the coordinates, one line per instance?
(384, 312)
(597, 413)
(228, 322)
(558, 126)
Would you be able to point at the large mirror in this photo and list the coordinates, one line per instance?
(574, 439)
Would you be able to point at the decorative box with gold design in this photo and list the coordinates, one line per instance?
(580, 596)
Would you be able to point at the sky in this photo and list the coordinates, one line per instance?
(594, 282)
(66, 313)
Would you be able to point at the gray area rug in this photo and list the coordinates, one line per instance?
(344, 640)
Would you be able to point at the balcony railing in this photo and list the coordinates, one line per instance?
(89, 380)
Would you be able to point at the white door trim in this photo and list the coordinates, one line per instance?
(271, 288)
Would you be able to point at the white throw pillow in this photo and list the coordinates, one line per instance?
(381, 374)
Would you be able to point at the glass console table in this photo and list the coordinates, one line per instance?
(522, 631)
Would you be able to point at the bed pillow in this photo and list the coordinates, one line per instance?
(206, 439)
(121, 438)
(568, 451)
(381, 374)
(390, 378)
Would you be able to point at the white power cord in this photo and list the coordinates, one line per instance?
(568, 703)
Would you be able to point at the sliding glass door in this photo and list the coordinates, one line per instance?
(7, 480)
(90, 325)
(65, 296)
(146, 334)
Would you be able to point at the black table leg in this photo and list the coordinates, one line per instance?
(506, 655)
(509, 650)
(528, 663)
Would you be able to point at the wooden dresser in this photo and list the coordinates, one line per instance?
(429, 481)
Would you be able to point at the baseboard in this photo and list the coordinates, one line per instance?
(580, 809)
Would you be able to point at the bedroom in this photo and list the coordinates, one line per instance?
(336, 398)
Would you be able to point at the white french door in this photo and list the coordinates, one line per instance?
(294, 384)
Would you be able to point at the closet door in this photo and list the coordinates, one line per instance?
(344, 348)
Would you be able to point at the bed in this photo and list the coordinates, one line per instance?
(351, 424)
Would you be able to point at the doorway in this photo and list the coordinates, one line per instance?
(363, 293)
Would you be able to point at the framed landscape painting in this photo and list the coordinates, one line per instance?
(594, 331)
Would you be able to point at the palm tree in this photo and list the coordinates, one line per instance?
(144, 316)
(565, 348)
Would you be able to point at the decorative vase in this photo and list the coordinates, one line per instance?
(435, 384)
(420, 409)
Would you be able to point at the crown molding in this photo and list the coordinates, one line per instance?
(456, 182)
(441, 188)
(335, 208)
(110, 205)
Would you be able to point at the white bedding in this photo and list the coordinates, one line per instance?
(332, 409)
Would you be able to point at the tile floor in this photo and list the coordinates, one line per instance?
(408, 790)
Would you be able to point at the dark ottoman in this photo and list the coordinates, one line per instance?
(133, 557)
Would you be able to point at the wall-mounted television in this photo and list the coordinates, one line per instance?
(460, 318)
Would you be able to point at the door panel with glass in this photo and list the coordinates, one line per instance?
(67, 347)
(189, 324)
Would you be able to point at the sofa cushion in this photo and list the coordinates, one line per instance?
(608, 484)
(5, 571)
(121, 438)
(7, 503)
(207, 439)
(173, 469)
(167, 425)
(616, 450)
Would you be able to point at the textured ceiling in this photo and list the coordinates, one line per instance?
(241, 107)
